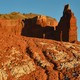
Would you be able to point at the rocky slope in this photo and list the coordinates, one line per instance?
(24, 58)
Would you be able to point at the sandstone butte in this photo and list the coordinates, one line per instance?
(36, 47)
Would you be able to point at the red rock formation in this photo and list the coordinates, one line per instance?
(11, 26)
(40, 27)
(67, 28)
(43, 26)
(44, 21)
(23, 58)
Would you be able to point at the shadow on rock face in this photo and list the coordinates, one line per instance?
(31, 29)
(40, 27)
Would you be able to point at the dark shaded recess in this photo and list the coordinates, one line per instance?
(50, 60)
(64, 27)
(31, 29)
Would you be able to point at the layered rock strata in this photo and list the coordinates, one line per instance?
(23, 58)
(41, 26)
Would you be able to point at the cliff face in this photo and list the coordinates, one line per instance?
(67, 28)
(23, 58)
(44, 21)
(38, 26)
(11, 26)
(42, 26)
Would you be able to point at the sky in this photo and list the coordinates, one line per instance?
(53, 8)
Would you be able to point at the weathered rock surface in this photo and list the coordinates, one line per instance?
(11, 26)
(37, 26)
(44, 21)
(23, 58)
(67, 27)
(40, 26)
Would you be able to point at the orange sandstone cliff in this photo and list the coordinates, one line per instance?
(40, 26)
(23, 57)
(67, 27)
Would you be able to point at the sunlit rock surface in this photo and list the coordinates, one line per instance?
(24, 58)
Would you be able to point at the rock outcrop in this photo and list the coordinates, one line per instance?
(44, 21)
(40, 26)
(11, 26)
(67, 27)
(24, 58)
